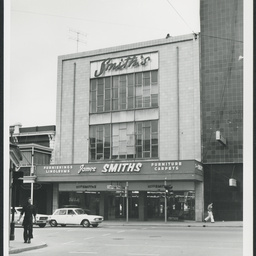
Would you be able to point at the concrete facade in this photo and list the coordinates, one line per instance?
(179, 100)
(178, 114)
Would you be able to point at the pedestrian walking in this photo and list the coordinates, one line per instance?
(30, 212)
(210, 214)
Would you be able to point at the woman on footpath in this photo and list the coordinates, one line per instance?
(210, 214)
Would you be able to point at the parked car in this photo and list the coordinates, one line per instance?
(74, 216)
(41, 219)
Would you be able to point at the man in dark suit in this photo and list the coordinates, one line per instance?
(30, 212)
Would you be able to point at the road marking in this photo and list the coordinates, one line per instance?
(117, 245)
(169, 246)
(143, 254)
(227, 248)
(69, 242)
(84, 252)
(87, 238)
(121, 231)
(106, 234)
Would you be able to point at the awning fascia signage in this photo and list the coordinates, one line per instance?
(150, 170)
(152, 186)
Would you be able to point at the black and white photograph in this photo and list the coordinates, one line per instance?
(126, 128)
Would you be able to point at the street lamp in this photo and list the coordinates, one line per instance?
(13, 190)
(15, 176)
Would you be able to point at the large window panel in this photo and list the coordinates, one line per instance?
(100, 86)
(138, 152)
(147, 133)
(100, 139)
(123, 92)
(146, 78)
(154, 77)
(138, 77)
(115, 94)
(124, 141)
(93, 95)
(130, 78)
(131, 92)
(93, 143)
(100, 95)
(107, 94)
(146, 98)
(154, 151)
(154, 100)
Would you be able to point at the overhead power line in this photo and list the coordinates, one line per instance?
(180, 16)
(222, 38)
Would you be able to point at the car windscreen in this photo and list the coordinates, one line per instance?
(80, 211)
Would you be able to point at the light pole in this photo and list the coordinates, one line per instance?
(13, 186)
(32, 174)
(127, 202)
(165, 203)
(168, 189)
(13, 191)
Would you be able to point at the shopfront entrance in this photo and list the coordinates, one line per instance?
(129, 191)
(180, 204)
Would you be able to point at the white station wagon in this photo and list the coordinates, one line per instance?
(74, 216)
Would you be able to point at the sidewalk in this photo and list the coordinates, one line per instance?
(18, 245)
(173, 223)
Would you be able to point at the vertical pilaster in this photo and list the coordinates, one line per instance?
(178, 103)
(55, 196)
(74, 113)
(143, 206)
(102, 204)
(199, 201)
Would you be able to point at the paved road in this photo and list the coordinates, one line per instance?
(139, 241)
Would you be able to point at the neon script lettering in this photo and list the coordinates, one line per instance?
(129, 62)
(125, 167)
(83, 168)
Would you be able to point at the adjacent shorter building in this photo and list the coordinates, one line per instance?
(129, 123)
(36, 145)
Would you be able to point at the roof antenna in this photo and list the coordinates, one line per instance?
(79, 37)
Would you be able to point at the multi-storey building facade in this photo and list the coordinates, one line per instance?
(129, 123)
(222, 105)
(134, 118)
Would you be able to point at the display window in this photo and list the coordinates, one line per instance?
(113, 204)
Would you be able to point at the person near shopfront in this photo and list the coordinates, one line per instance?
(210, 214)
(29, 212)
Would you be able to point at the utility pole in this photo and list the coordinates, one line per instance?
(165, 203)
(32, 174)
(127, 202)
(78, 36)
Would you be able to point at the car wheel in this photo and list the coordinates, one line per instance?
(86, 223)
(53, 223)
(95, 225)
(42, 225)
(63, 225)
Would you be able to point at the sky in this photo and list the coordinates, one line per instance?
(42, 30)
